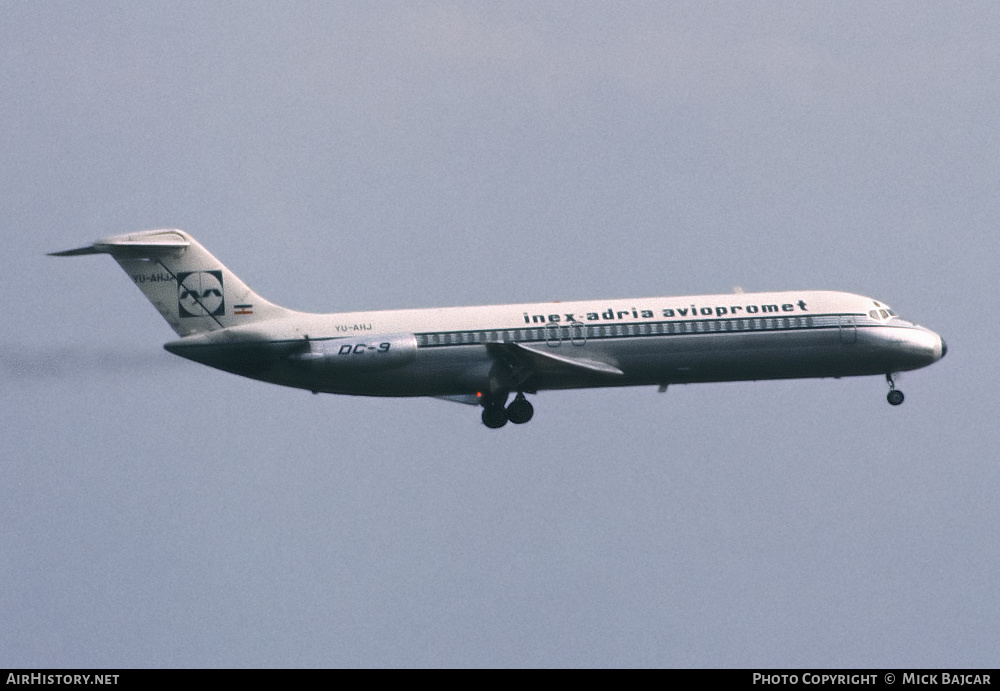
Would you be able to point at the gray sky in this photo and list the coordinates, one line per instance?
(343, 156)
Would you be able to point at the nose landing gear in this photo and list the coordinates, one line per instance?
(895, 396)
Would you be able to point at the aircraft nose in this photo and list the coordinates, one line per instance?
(916, 347)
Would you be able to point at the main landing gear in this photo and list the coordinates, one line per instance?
(895, 396)
(495, 415)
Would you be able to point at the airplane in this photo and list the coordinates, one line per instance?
(483, 355)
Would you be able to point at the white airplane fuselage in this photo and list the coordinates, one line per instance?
(484, 354)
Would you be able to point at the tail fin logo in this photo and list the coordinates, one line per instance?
(200, 294)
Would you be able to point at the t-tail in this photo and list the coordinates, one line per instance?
(192, 289)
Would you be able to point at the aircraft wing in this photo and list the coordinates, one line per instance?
(465, 399)
(526, 360)
(543, 359)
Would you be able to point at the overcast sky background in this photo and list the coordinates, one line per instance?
(343, 156)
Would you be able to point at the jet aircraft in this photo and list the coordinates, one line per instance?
(484, 355)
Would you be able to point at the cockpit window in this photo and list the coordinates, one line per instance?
(881, 314)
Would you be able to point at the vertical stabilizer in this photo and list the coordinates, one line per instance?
(192, 289)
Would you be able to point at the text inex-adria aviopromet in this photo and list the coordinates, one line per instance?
(611, 314)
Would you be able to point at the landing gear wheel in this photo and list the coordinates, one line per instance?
(520, 411)
(895, 396)
(494, 417)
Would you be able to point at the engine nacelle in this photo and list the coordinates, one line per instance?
(386, 351)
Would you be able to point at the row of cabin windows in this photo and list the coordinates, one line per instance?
(580, 333)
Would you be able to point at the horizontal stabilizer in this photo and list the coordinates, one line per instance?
(146, 244)
(90, 249)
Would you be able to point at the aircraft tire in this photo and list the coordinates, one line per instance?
(895, 397)
(494, 417)
(520, 411)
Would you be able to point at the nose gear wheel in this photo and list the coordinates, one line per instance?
(895, 396)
